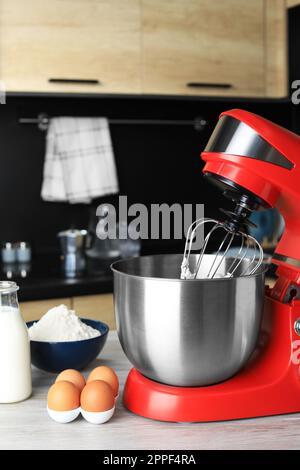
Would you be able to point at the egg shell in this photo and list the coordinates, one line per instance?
(72, 375)
(108, 375)
(63, 396)
(97, 396)
(99, 417)
(63, 417)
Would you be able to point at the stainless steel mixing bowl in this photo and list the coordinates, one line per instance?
(186, 332)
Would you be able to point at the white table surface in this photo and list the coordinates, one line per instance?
(26, 425)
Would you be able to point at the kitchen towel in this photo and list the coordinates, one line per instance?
(79, 162)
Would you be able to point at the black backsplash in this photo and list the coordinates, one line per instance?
(154, 163)
(294, 58)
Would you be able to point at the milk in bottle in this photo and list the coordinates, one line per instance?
(15, 368)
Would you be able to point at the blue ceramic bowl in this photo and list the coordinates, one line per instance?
(55, 357)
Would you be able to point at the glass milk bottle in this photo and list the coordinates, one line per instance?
(15, 368)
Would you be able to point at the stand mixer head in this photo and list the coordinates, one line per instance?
(258, 163)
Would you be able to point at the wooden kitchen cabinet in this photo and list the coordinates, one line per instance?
(160, 47)
(95, 40)
(97, 307)
(204, 47)
(292, 3)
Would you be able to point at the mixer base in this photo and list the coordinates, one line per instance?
(269, 385)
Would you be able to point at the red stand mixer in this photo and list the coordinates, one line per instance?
(257, 162)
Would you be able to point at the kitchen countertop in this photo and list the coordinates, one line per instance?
(44, 279)
(26, 425)
(59, 287)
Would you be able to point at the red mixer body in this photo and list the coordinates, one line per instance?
(268, 385)
(262, 158)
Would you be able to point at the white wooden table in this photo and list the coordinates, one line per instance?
(26, 425)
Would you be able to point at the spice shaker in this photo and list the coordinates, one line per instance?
(8, 252)
(23, 252)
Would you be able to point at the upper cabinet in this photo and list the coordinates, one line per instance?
(211, 47)
(171, 47)
(70, 46)
(292, 3)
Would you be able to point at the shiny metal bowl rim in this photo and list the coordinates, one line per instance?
(262, 269)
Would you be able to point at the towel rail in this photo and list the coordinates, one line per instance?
(199, 123)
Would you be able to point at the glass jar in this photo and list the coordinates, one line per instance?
(15, 364)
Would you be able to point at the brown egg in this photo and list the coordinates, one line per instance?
(108, 375)
(97, 396)
(63, 396)
(72, 375)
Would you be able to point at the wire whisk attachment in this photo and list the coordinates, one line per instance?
(246, 248)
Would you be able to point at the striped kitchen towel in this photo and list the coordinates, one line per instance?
(79, 162)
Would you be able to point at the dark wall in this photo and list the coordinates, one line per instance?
(155, 163)
(294, 57)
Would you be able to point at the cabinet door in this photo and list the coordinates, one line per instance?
(35, 309)
(292, 3)
(203, 47)
(97, 41)
(99, 307)
(276, 56)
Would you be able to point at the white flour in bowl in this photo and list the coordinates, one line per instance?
(61, 324)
